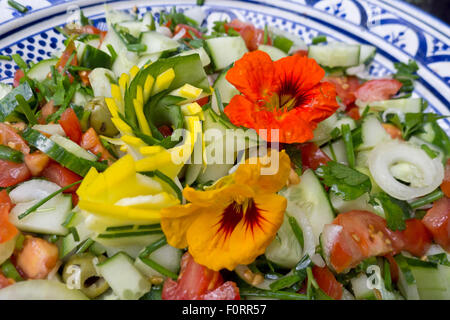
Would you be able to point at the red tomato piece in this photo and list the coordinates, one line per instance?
(9, 137)
(253, 37)
(4, 281)
(61, 176)
(71, 125)
(17, 76)
(301, 53)
(196, 282)
(312, 156)
(187, 35)
(378, 90)
(64, 59)
(393, 267)
(445, 186)
(353, 112)
(437, 221)
(91, 142)
(327, 282)
(47, 110)
(203, 101)
(12, 173)
(393, 131)
(36, 162)
(345, 88)
(7, 229)
(417, 239)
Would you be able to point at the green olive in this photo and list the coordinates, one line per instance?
(100, 118)
(91, 283)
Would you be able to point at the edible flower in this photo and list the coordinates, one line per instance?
(286, 95)
(233, 221)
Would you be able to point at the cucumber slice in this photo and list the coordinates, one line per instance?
(337, 151)
(117, 16)
(226, 50)
(123, 277)
(310, 195)
(40, 70)
(361, 203)
(274, 53)
(131, 245)
(68, 243)
(40, 290)
(322, 133)
(69, 160)
(93, 58)
(72, 147)
(432, 283)
(227, 91)
(157, 42)
(373, 133)
(360, 289)
(367, 54)
(335, 54)
(7, 249)
(410, 105)
(100, 81)
(48, 219)
(204, 57)
(135, 28)
(167, 256)
(31, 190)
(5, 89)
(50, 129)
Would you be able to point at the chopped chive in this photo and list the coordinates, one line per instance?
(297, 231)
(128, 234)
(74, 233)
(285, 282)
(85, 246)
(120, 228)
(153, 247)
(113, 52)
(46, 199)
(283, 43)
(19, 61)
(387, 275)
(348, 140)
(166, 179)
(159, 268)
(78, 68)
(406, 270)
(432, 197)
(25, 108)
(282, 295)
(19, 7)
(7, 58)
(431, 153)
(266, 34)
(219, 100)
(19, 242)
(150, 226)
(10, 271)
(62, 31)
(137, 47)
(53, 238)
(319, 39)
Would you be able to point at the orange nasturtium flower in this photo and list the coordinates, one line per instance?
(232, 222)
(286, 95)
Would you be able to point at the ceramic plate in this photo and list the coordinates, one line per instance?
(399, 31)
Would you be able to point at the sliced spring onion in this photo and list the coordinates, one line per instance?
(282, 295)
(153, 247)
(128, 234)
(297, 231)
(19, 7)
(432, 197)
(319, 39)
(150, 226)
(6, 58)
(283, 43)
(159, 268)
(120, 228)
(85, 246)
(46, 199)
(10, 271)
(74, 233)
(9, 154)
(348, 141)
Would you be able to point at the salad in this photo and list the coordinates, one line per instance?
(160, 159)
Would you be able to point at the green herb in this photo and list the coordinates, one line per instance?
(19, 7)
(166, 179)
(299, 273)
(120, 228)
(414, 122)
(406, 74)
(7, 58)
(153, 247)
(154, 294)
(395, 211)
(311, 283)
(26, 110)
(74, 233)
(319, 39)
(266, 34)
(297, 230)
(420, 263)
(128, 234)
(430, 152)
(200, 2)
(430, 198)
(283, 43)
(387, 275)
(19, 61)
(336, 133)
(321, 295)
(440, 258)
(85, 246)
(84, 20)
(46, 199)
(441, 138)
(10, 271)
(113, 52)
(69, 219)
(346, 182)
(150, 226)
(53, 238)
(9, 154)
(144, 256)
(174, 18)
(281, 295)
(348, 141)
(138, 47)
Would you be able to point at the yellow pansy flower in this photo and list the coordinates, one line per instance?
(232, 222)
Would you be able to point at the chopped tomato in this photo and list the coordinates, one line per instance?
(312, 156)
(12, 173)
(187, 35)
(65, 57)
(75, 199)
(354, 113)
(47, 110)
(91, 142)
(166, 131)
(71, 125)
(9, 137)
(417, 239)
(445, 186)
(4, 281)
(437, 221)
(253, 37)
(7, 229)
(203, 101)
(37, 258)
(197, 282)
(36, 162)
(345, 88)
(93, 30)
(61, 176)
(378, 90)
(17, 76)
(301, 53)
(393, 131)
(393, 267)
(327, 282)
(84, 76)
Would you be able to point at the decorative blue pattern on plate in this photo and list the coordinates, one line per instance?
(398, 30)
